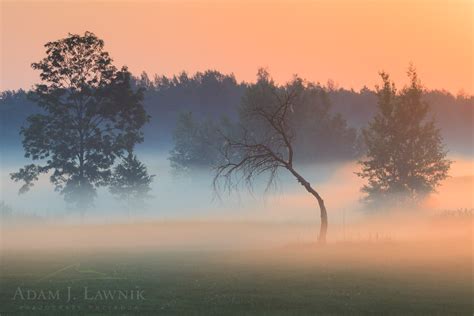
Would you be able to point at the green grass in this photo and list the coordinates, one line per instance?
(336, 280)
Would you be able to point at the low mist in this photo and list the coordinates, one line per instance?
(185, 213)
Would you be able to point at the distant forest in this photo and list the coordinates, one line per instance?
(213, 95)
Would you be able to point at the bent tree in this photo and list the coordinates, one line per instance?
(264, 142)
(89, 117)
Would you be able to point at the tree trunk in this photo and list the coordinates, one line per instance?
(324, 222)
(324, 215)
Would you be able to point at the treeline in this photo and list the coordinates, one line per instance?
(213, 95)
(316, 133)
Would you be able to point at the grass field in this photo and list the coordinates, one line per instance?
(339, 279)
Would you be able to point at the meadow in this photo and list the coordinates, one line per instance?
(380, 277)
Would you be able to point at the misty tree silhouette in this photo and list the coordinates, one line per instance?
(264, 143)
(405, 157)
(131, 182)
(89, 116)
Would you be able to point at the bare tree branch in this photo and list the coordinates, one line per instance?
(253, 153)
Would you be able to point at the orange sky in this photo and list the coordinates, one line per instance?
(347, 41)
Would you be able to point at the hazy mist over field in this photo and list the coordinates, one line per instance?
(284, 201)
(195, 217)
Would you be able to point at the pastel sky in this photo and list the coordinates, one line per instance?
(343, 40)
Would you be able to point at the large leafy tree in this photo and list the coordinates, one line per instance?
(405, 157)
(89, 116)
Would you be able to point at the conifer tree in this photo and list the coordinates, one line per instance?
(405, 158)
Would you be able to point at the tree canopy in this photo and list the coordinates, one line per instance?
(405, 157)
(90, 115)
(196, 143)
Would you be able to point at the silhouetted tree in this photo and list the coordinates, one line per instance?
(316, 127)
(196, 144)
(265, 142)
(89, 116)
(405, 157)
(131, 182)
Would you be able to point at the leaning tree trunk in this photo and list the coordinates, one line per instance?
(324, 215)
(324, 220)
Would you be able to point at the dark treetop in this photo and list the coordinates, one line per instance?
(405, 157)
(90, 116)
